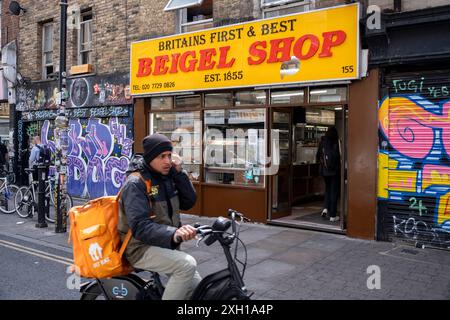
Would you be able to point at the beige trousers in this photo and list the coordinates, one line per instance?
(179, 266)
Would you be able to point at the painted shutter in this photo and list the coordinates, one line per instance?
(415, 159)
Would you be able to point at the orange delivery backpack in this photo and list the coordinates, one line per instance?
(97, 249)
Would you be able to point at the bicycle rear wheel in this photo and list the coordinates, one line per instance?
(7, 196)
(24, 202)
(51, 216)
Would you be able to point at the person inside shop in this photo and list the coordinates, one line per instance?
(329, 158)
(155, 225)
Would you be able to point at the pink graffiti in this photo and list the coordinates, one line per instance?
(411, 129)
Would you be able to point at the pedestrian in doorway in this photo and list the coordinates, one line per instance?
(329, 158)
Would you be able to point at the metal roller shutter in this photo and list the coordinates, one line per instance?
(414, 159)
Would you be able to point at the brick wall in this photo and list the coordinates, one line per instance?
(10, 24)
(116, 23)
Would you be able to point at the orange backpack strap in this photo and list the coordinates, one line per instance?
(148, 184)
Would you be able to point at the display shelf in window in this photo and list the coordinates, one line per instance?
(184, 130)
(235, 147)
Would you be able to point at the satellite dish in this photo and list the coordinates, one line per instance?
(15, 8)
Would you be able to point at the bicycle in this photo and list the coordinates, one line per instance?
(26, 205)
(8, 192)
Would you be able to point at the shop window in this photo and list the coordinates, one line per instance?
(276, 8)
(235, 146)
(324, 95)
(193, 15)
(223, 99)
(85, 38)
(250, 98)
(161, 103)
(184, 130)
(47, 50)
(287, 97)
(191, 101)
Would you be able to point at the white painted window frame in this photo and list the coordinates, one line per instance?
(80, 31)
(44, 53)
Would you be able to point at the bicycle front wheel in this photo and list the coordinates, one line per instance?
(23, 202)
(8, 193)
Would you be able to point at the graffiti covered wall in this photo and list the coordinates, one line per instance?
(83, 92)
(98, 156)
(100, 129)
(414, 162)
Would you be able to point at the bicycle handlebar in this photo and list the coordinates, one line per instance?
(205, 230)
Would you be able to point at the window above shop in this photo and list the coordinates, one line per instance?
(195, 17)
(250, 98)
(222, 99)
(287, 97)
(85, 38)
(47, 50)
(320, 95)
(161, 103)
(275, 8)
(191, 101)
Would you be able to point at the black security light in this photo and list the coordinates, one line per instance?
(15, 8)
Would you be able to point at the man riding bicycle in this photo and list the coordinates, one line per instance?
(154, 218)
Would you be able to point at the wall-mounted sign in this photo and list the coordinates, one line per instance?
(319, 45)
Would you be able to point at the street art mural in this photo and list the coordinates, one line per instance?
(82, 92)
(36, 97)
(98, 155)
(414, 164)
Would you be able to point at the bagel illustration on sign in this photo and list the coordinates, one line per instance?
(290, 68)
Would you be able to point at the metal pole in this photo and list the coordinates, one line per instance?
(41, 197)
(61, 126)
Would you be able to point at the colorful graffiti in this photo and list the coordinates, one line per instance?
(89, 91)
(414, 166)
(98, 155)
(39, 96)
(97, 91)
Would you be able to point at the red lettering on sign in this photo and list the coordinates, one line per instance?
(145, 67)
(331, 39)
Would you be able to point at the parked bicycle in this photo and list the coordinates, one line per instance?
(8, 191)
(25, 201)
(227, 284)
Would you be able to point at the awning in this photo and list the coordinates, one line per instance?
(181, 4)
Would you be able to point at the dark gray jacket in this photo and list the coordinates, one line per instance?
(153, 218)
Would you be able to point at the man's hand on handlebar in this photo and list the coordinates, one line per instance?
(184, 233)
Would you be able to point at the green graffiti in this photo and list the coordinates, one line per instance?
(32, 129)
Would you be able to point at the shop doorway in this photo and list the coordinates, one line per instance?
(297, 191)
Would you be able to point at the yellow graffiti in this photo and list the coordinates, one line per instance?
(391, 179)
(383, 175)
(404, 181)
(444, 209)
(436, 177)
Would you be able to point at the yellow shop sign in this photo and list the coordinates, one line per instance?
(319, 45)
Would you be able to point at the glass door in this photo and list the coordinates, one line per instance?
(281, 151)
